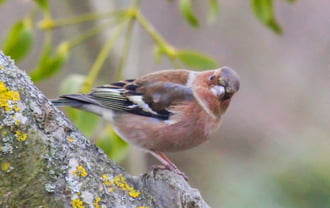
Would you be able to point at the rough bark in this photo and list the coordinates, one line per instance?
(46, 162)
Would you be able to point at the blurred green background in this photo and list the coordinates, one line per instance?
(273, 149)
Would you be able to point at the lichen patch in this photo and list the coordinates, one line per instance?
(77, 203)
(120, 182)
(21, 136)
(8, 98)
(96, 202)
(5, 166)
(71, 139)
(80, 171)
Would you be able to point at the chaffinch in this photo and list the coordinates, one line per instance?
(164, 111)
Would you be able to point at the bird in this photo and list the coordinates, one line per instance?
(164, 111)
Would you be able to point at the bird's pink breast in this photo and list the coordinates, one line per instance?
(188, 129)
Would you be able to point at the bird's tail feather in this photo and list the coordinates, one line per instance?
(62, 102)
(73, 100)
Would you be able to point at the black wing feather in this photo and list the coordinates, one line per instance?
(149, 99)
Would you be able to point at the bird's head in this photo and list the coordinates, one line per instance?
(225, 82)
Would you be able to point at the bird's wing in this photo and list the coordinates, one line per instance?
(151, 98)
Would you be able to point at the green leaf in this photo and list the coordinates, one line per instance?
(264, 11)
(50, 64)
(113, 145)
(187, 12)
(2, 1)
(43, 4)
(37, 73)
(72, 84)
(213, 10)
(291, 1)
(19, 40)
(196, 60)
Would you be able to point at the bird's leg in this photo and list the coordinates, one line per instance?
(167, 163)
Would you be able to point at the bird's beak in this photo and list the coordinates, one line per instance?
(229, 79)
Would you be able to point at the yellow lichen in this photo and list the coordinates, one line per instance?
(1, 67)
(120, 182)
(106, 180)
(5, 166)
(96, 203)
(134, 193)
(16, 108)
(17, 121)
(80, 171)
(71, 139)
(77, 203)
(112, 189)
(8, 95)
(21, 136)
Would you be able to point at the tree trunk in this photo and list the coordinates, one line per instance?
(46, 162)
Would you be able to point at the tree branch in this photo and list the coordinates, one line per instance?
(46, 162)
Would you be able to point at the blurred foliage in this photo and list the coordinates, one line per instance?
(19, 42)
(187, 12)
(213, 10)
(196, 60)
(112, 144)
(19, 39)
(50, 63)
(2, 1)
(43, 4)
(264, 11)
(305, 185)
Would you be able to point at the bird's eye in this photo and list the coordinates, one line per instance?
(229, 90)
(212, 77)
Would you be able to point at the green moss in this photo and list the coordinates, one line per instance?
(28, 171)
